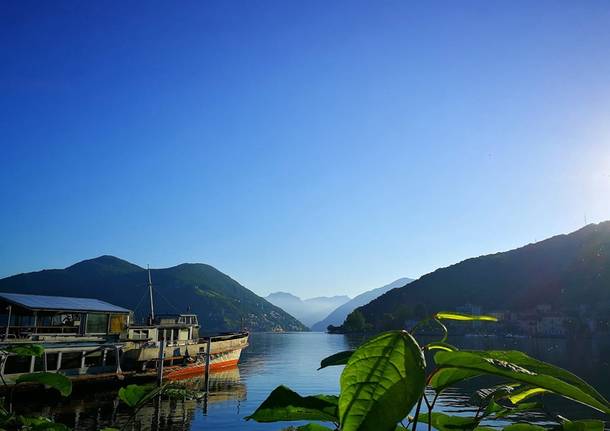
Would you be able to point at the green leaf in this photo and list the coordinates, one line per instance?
(41, 423)
(50, 380)
(524, 393)
(446, 377)
(583, 425)
(525, 407)
(313, 427)
(340, 358)
(26, 350)
(450, 315)
(381, 383)
(137, 395)
(519, 367)
(483, 396)
(439, 345)
(443, 422)
(523, 427)
(494, 408)
(284, 404)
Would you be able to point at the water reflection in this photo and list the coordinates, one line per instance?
(292, 360)
(95, 408)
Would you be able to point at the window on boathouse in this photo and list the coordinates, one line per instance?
(97, 323)
(118, 322)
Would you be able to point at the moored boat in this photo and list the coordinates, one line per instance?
(173, 341)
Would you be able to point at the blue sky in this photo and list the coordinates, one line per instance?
(314, 147)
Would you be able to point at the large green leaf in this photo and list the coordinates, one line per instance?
(443, 422)
(313, 427)
(340, 358)
(446, 377)
(284, 404)
(451, 315)
(583, 425)
(519, 367)
(137, 395)
(26, 350)
(523, 427)
(51, 380)
(381, 382)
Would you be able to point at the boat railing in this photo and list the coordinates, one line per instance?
(18, 332)
(226, 337)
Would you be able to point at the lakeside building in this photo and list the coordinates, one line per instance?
(40, 316)
(545, 321)
(80, 336)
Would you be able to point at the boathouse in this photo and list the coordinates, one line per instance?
(23, 316)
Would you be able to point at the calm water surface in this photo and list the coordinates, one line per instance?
(292, 359)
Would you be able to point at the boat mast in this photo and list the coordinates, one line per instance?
(150, 292)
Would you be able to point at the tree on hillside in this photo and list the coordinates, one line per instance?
(355, 322)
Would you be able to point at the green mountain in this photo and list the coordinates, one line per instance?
(568, 272)
(218, 300)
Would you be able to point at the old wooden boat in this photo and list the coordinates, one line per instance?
(173, 342)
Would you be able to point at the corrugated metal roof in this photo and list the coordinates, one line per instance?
(43, 302)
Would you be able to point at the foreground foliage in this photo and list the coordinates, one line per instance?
(135, 397)
(385, 380)
(59, 382)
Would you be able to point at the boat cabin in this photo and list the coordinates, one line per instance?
(172, 328)
(38, 316)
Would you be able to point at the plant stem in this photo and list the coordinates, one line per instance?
(417, 413)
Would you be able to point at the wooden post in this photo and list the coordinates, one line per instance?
(117, 351)
(208, 353)
(8, 322)
(160, 362)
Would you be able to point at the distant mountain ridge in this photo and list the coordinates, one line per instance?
(338, 315)
(220, 302)
(307, 311)
(566, 272)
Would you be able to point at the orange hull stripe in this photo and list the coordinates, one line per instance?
(200, 369)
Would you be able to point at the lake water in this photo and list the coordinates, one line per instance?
(292, 359)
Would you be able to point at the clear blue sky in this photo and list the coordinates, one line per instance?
(309, 146)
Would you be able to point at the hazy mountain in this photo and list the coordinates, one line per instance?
(568, 272)
(307, 311)
(218, 300)
(338, 315)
